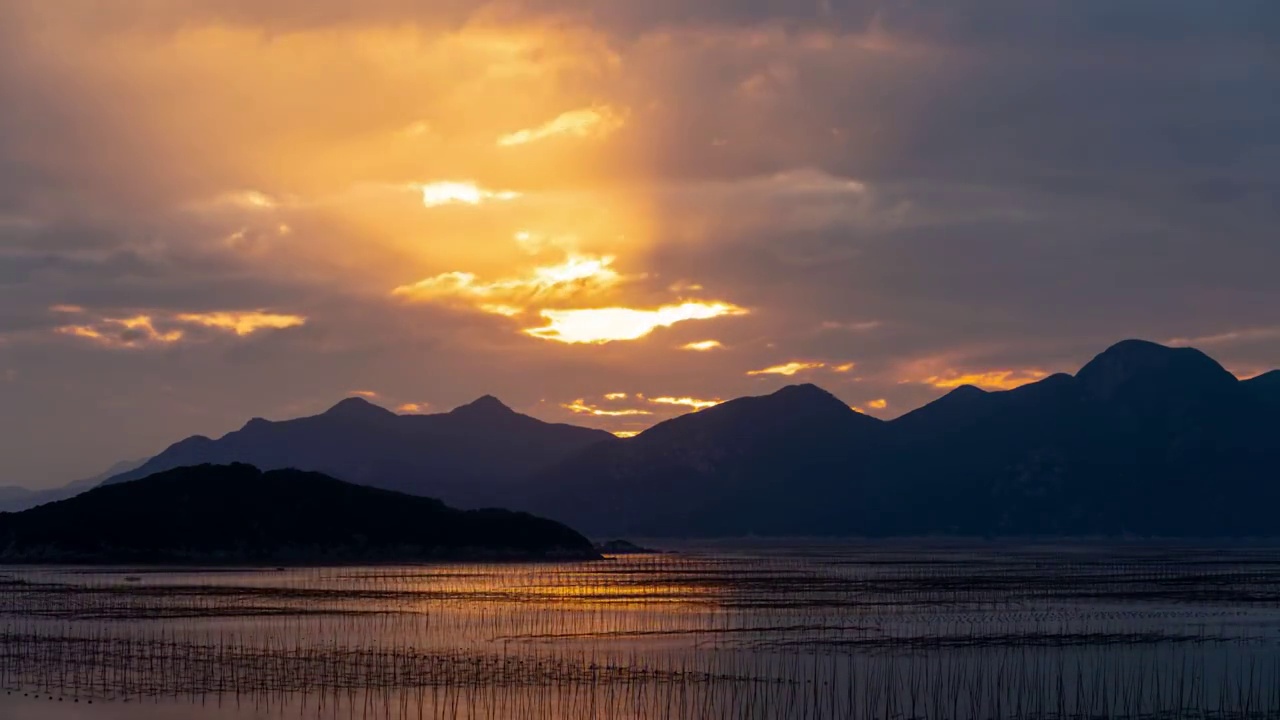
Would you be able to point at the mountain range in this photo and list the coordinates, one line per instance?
(458, 456)
(1144, 440)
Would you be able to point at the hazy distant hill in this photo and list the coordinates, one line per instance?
(236, 513)
(457, 456)
(17, 499)
(1145, 439)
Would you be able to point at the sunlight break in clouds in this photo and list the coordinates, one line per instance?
(242, 323)
(992, 380)
(626, 433)
(577, 275)
(450, 192)
(583, 122)
(602, 325)
(788, 369)
(703, 345)
(694, 403)
(581, 407)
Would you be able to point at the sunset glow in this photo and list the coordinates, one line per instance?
(467, 193)
(580, 406)
(990, 380)
(702, 345)
(577, 276)
(602, 325)
(788, 369)
(694, 403)
(583, 122)
(243, 323)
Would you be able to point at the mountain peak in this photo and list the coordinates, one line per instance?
(483, 406)
(805, 393)
(356, 407)
(1132, 361)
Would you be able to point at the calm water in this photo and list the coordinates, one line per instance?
(888, 631)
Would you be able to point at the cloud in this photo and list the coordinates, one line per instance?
(412, 408)
(788, 369)
(127, 332)
(991, 379)
(367, 394)
(581, 123)
(615, 396)
(878, 404)
(703, 345)
(451, 192)
(242, 323)
(577, 276)
(580, 406)
(924, 187)
(604, 325)
(157, 329)
(694, 403)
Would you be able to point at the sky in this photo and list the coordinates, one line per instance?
(611, 212)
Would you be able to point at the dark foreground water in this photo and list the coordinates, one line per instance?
(886, 631)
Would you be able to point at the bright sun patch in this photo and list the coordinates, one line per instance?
(702, 345)
(603, 325)
(452, 192)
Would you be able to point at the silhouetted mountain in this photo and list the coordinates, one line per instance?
(459, 456)
(1265, 387)
(17, 499)
(238, 514)
(1145, 440)
(755, 464)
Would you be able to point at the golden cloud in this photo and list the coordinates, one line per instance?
(581, 407)
(615, 396)
(788, 369)
(694, 403)
(702, 345)
(991, 379)
(451, 192)
(242, 323)
(583, 122)
(137, 331)
(843, 368)
(577, 275)
(626, 433)
(368, 394)
(879, 404)
(412, 408)
(128, 332)
(603, 325)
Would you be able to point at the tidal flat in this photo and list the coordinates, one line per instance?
(768, 630)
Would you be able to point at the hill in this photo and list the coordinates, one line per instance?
(17, 499)
(752, 465)
(238, 514)
(458, 456)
